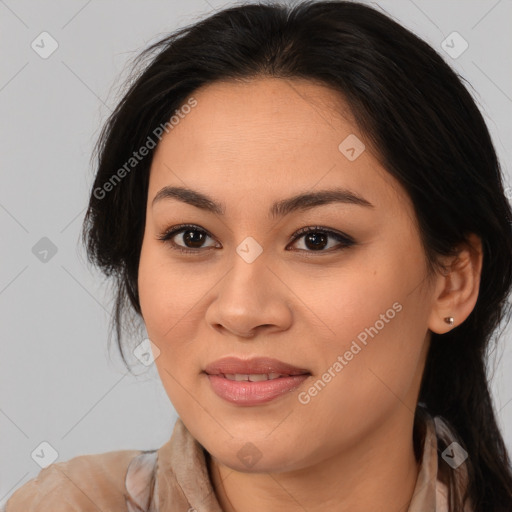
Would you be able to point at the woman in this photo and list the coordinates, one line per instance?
(304, 206)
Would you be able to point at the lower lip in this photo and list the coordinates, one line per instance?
(254, 393)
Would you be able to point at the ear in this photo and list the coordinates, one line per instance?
(456, 290)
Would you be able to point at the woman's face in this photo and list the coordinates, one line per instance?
(353, 316)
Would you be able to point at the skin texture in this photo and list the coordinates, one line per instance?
(248, 144)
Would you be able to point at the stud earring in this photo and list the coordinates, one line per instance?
(449, 320)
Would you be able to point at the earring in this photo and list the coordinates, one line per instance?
(449, 320)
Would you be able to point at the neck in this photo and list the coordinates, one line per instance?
(379, 473)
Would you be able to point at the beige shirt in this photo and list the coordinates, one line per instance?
(174, 478)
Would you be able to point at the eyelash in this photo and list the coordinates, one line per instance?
(167, 235)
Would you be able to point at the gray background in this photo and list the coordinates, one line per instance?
(60, 383)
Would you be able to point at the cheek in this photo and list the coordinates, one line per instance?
(167, 297)
(373, 324)
(341, 303)
(365, 377)
(167, 294)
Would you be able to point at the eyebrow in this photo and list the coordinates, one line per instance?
(280, 208)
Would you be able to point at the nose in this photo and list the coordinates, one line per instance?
(250, 299)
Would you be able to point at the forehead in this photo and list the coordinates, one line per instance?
(267, 138)
(251, 114)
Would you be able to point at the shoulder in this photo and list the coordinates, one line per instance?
(86, 482)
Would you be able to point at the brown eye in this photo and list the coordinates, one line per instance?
(316, 239)
(191, 237)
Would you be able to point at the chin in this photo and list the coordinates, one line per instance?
(263, 465)
(258, 457)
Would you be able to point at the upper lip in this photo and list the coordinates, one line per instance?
(256, 365)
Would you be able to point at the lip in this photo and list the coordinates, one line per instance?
(253, 365)
(249, 393)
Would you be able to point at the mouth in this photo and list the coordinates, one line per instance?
(254, 381)
(254, 377)
(254, 366)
